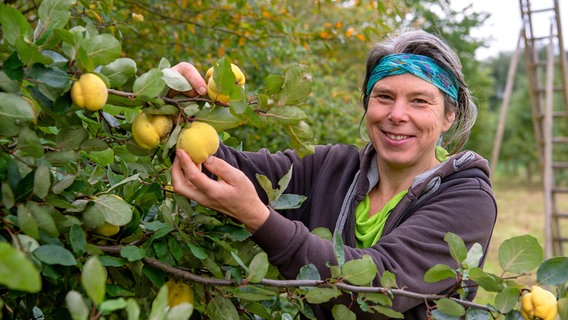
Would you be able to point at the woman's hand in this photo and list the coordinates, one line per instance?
(189, 71)
(232, 194)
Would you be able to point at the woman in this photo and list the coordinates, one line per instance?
(394, 200)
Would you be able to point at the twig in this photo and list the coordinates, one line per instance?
(180, 273)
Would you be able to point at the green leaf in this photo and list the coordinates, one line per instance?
(478, 314)
(119, 71)
(258, 267)
(297, 86)
(390, 313)
(520, 254)
(77, 239)
(14, 25)
(301, 138)
(219, 117)
(43, 215)
(60, 158)
(222, 308)
(42, 181)
(174, 80)
(132, 253)
(115, 210)
(341, 312)
(102, 49)
(54, 254)
(338, 249)
(439, 272)
(76, 305)
(160, 304)
(323, 233)
(132, 309)
(93, 279)
(27, 223)
(450, 307)
(71, 137)
(474, 256)
(563, 307)
(286, 115)
(457, 247)
(552, 271)
(103, 157)
(273, 83)
(309, 272)
(388, 280)
(487, 281)
(15, 114)
(149, 84)
(360, 271)
(52, 14)
(29, 143)
(506, 300)
(254, 293)
(108, 306)
(7, 196)
(94, 145)
(52, 82)
(321, 295)
(17, 272)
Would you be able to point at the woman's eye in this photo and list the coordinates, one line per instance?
(420, 101)
(383, 97)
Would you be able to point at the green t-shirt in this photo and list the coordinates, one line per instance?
(368, 230)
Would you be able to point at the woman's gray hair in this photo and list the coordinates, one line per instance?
(426, 44)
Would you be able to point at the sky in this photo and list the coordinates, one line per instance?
(504, 25)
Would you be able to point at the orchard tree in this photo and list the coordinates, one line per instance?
(90, 225)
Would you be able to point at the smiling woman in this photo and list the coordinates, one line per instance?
(393, 201)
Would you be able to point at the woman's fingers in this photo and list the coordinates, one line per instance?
(194, 77)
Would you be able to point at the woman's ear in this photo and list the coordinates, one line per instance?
(450, 118)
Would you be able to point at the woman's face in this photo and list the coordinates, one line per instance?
(405, 117)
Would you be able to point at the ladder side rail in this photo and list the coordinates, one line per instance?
(505, 104)
(548, 179)
(562, 55)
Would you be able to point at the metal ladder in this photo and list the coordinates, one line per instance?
(545, 60)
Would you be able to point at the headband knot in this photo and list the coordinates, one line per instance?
(421, 66)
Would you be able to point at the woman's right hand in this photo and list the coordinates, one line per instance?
(189, 71)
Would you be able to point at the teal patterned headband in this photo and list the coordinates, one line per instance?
(423, 67)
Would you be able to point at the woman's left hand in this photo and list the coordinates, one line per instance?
(232, 194)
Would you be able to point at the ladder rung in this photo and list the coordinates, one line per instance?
(560, 114)
(560, 165)
(560, 190)
(560, 215)
(542, 38)
(540, 10)
(560, 139)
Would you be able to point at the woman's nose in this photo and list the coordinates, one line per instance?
(399, 111)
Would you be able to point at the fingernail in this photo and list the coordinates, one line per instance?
(208, 160)
(202, 90)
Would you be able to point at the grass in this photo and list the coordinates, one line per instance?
(520, 211)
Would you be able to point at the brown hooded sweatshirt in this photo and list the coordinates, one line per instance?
(455, 196)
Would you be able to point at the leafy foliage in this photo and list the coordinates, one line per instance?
(66, 171)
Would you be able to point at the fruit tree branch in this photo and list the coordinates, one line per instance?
(180, 273)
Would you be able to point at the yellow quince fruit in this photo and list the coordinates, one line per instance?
(148, 129)
(89, 92)
(179, 292)
(212, 90)
(539, 304)
(199, 140)
(107, 230)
